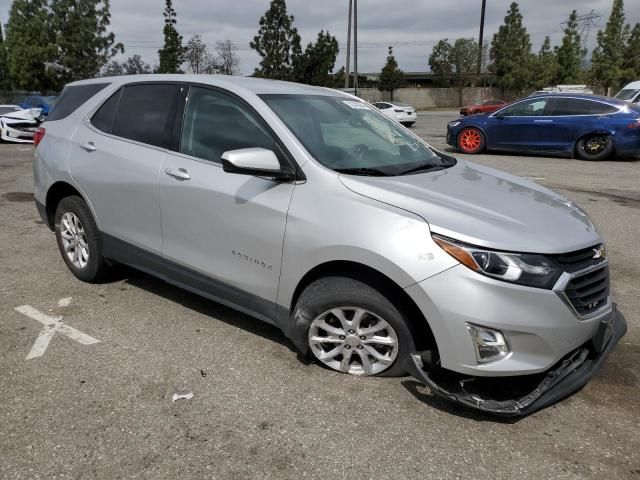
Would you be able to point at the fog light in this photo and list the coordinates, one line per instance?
(490, 344)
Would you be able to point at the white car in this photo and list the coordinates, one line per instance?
(630, 93)
(400, 112)
(18, 124)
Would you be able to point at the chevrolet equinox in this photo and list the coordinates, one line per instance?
(308, 209)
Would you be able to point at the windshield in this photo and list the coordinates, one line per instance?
(627, 94)
(350, 136)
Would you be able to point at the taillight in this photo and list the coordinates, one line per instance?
(38, 135)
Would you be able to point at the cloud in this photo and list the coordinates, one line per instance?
(412, 27)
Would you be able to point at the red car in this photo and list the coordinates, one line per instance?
(486, 106)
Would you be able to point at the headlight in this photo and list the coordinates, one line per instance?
(522, 268)
(454, 124)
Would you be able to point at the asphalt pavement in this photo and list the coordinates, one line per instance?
(97, 402)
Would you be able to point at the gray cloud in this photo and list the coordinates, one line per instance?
(412, 26)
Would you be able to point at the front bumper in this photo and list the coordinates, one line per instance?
(566, 377)
(18, 135)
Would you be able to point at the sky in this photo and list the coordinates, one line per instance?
(412, 27)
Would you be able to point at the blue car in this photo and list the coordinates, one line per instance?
(39, 101)
(586, 126)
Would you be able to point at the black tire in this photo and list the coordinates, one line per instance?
(594, 147)
(331, 292)
(96, 266)
(408, 124)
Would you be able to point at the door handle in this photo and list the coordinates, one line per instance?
(180, 174)
(89, 147)
(543, 121)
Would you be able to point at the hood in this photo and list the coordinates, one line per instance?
(29, 114)
(485, 207)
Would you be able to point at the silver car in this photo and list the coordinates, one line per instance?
(309, 209)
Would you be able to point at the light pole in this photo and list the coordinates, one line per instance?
(355, 47)
(480, 37)
(348, 67)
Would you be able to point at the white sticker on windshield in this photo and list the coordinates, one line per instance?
(356, 105)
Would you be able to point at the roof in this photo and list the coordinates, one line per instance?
(257, 86)
(632, 85)
(583, 96)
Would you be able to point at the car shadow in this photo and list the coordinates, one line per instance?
(199, 304)
(422, 393)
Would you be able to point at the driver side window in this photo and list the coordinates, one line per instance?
(536, 107)
(215, 123)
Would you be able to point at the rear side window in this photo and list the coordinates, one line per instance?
(576, 106)
(103, 119)
(146, 112)
(72, 98)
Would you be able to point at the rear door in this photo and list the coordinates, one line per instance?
(227, 227)
(116, 156)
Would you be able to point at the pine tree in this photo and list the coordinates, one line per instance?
(277, 42)
(28, 46)
(315, 65)
(80, 32)
(631, 62)
(570, 54)
(172, 53)
(546, 66)
(391, 77)
(511, 53)
(608, 56)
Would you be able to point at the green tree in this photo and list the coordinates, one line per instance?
(511, 53)
(546, 66)
(277, 43)
(608, 56)
(135, 65)
(172, 53)
(391, 77)
(28, 46)
(84, 44)
(440, 62)
(455, 64)
(570, 53)
(631, 62)
(315, 65)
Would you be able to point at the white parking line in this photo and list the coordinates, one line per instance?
(52, 325)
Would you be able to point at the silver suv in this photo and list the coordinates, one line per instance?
(307, 208)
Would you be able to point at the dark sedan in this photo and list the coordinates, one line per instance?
(586, 126)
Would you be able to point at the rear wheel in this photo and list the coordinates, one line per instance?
(79, 240)
(594, 147)
(471, 140)
(352, 328)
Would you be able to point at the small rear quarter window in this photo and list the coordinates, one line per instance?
(72, 97)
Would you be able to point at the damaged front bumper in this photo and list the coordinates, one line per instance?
(520, 396)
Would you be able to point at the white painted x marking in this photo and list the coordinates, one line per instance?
(52, 325)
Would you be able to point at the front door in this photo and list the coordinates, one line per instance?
(227, 227)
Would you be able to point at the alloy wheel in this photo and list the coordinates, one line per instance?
(353, 340)
(74, 240)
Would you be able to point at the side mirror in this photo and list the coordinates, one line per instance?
(258, 162)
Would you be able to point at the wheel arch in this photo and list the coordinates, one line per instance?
(418, 324)
(56, 192)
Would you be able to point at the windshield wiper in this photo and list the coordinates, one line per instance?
(365, 171)
(425, 168)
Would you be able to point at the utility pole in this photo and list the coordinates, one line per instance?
(355, 47)
(348, 67)
(481, 37)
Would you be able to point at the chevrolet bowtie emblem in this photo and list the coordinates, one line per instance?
(599, 252)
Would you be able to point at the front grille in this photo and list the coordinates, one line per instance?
(590, 291)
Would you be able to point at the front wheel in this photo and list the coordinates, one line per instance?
(594, 147)
(352, 328)
(471, 140)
